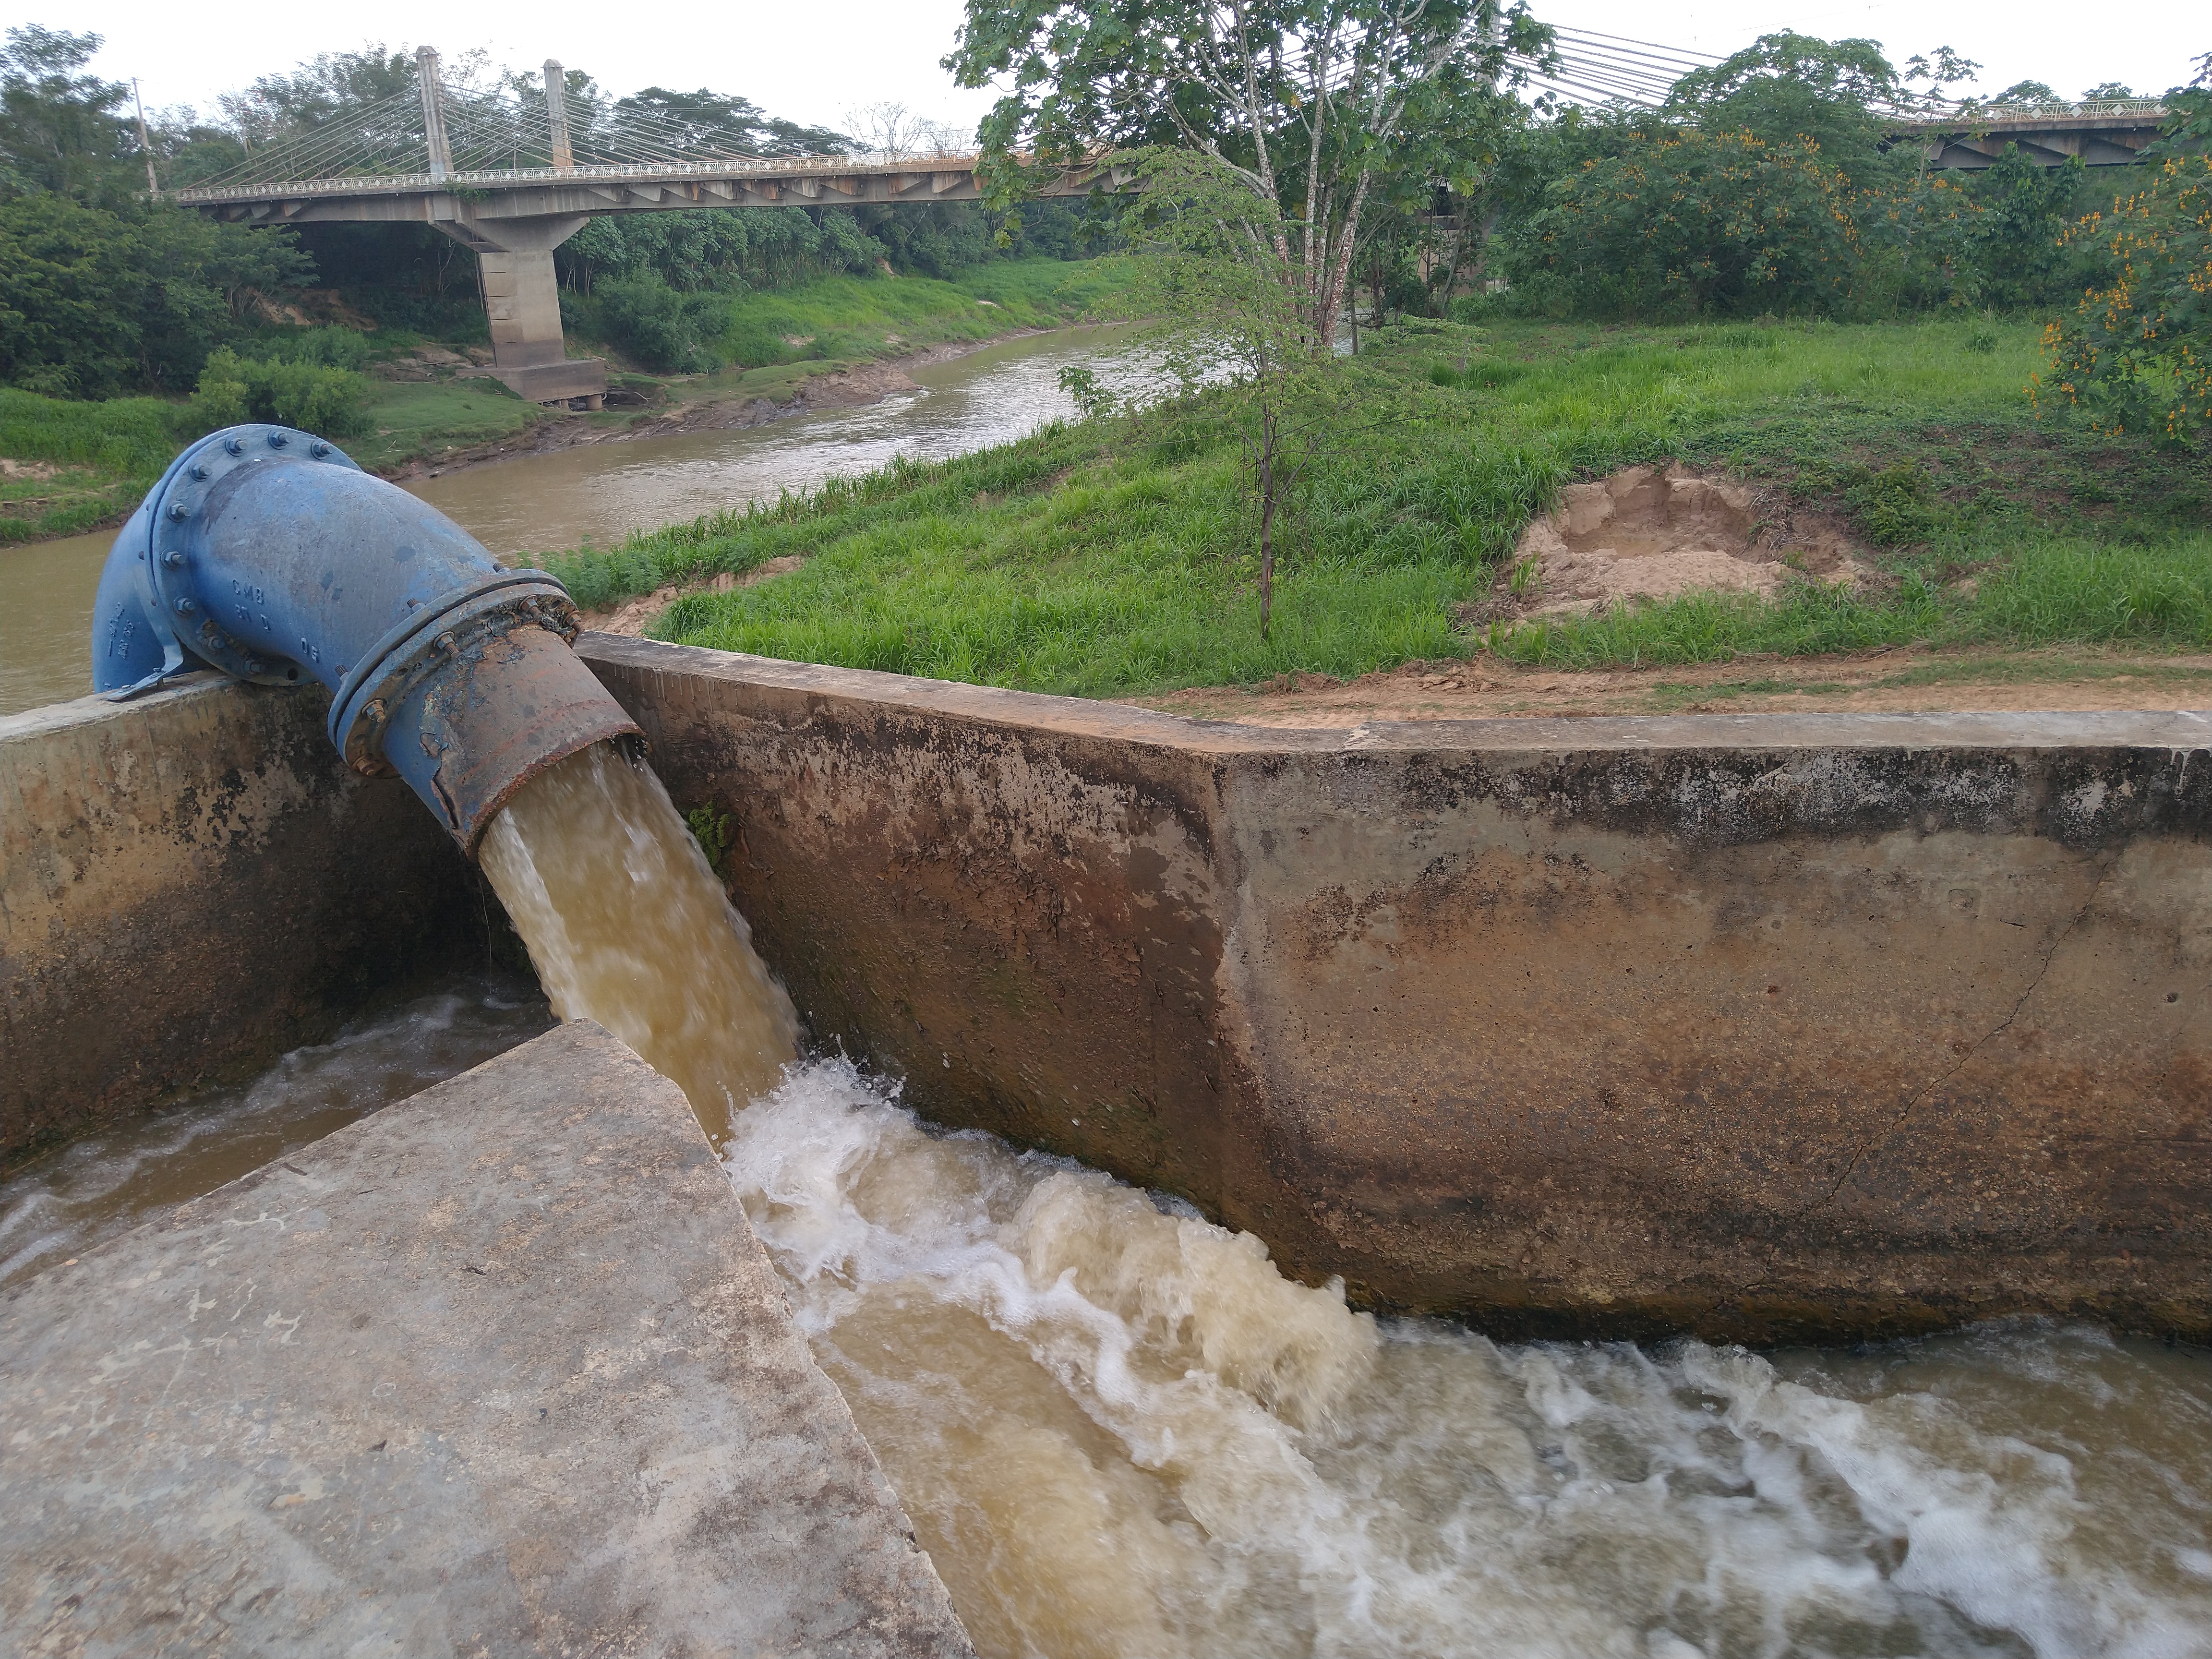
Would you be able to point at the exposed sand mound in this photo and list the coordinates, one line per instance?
(1652, 532)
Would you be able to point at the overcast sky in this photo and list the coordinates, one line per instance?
(812, 62)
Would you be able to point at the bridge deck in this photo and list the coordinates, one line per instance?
(536, 193)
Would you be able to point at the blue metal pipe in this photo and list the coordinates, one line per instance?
(268, 555)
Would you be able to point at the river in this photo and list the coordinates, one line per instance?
(599, 493)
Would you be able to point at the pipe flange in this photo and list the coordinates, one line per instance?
(424, 642)
(176, 511)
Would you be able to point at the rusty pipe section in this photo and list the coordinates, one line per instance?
(268, 555)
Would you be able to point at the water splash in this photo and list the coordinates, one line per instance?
(1119, 1431)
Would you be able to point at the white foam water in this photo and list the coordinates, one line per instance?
(1119, 1431)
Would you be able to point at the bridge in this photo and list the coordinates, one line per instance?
(512, 172)
(2105, 132)
(511, 175)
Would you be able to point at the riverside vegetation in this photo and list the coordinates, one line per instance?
(78, 463)
(1116, 556)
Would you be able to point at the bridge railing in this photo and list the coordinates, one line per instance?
(2147, 111)
(705, 169)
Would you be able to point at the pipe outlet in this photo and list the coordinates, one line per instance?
(268, 555)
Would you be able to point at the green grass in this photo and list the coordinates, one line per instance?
(100, 459)
(104, 457)
(1116, 557)
(411, 420)
(857, 318)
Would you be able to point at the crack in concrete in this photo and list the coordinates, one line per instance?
(1913, 1102)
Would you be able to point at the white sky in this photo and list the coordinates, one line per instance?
(812, 62)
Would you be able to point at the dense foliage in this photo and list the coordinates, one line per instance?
(1770, 184)
(2137, 353)
(101, 291)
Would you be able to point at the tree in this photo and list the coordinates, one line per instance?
(60, 130)
(896, 132)
(710, 120)
(1232, 331)
(1790, 86)
(1305, 104)
(2136, 353)
(101, 291)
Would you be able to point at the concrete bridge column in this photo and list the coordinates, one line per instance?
(522, 298)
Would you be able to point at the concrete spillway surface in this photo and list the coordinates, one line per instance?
(499, 1369)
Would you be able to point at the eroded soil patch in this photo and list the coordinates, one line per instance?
(633, 617)
(1656, 532)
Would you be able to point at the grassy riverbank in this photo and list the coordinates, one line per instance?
(1114, 557)
(843, 320)
(66, 467)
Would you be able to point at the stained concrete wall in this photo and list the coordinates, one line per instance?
(499, 1370)
(191, 882)
(1765, 1027)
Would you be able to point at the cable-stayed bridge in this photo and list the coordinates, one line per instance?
(511, 175)
(514, 173)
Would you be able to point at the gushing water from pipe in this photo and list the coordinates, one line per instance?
(627, 925)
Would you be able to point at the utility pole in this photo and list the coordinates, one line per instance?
(556, 115)
(145, 144)
(434, 116)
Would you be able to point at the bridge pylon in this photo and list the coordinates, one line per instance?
(522, 301)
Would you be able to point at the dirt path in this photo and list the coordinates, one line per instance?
(631, 617)
(1899, 681)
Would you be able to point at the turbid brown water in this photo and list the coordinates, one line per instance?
(627, 925)
(1120, 1431)
(132, 1167)
(601, 492)
(45, 619)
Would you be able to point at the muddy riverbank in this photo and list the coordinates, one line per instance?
(851, 386)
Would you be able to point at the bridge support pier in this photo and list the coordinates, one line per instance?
(522, 298)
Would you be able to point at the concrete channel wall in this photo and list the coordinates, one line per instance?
(191, 883)
(1763, 1027)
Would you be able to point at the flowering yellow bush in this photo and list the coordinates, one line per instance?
(2138, 351)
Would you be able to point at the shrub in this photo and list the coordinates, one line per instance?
(2137, 354)
(312, 397)
(665, 331)
(1689, 222)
